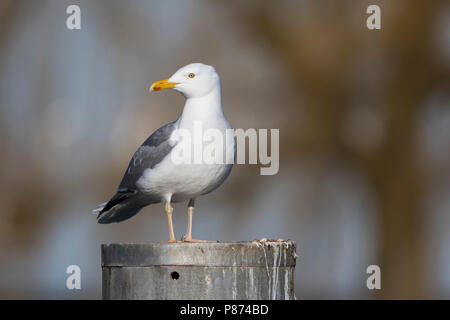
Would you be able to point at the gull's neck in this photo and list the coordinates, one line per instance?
(206, 109)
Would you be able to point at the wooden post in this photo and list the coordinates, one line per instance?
(243, 270)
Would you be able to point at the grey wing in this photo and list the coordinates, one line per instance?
(149, 154)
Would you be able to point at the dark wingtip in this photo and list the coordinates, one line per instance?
(104, 218)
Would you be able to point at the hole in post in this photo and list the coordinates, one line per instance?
(175, 275)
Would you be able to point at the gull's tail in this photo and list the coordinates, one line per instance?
(122, 206)
(99, 208)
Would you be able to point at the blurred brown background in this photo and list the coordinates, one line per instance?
(364, 119)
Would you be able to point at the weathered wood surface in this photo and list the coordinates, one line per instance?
(241, 270)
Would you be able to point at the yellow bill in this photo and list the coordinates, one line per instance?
(162, 84)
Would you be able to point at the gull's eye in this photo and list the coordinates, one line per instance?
(191, 75)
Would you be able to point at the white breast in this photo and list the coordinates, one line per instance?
(182, 181)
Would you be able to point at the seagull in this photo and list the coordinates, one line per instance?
(153, 176)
